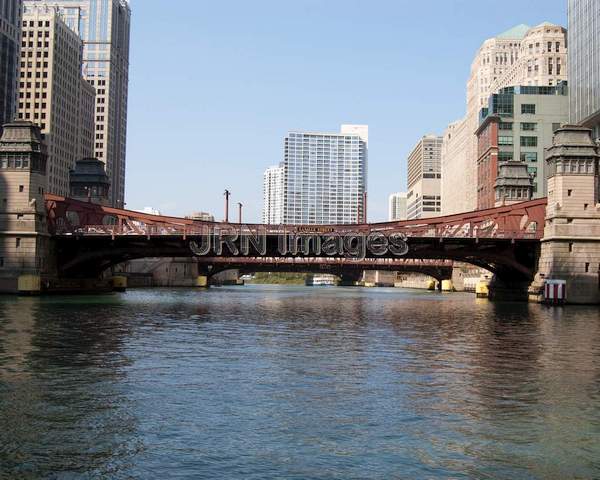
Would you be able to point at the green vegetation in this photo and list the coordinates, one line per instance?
(279, 278)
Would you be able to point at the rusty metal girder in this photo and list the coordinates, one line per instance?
(67, 216)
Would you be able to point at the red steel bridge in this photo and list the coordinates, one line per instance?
(90, 238)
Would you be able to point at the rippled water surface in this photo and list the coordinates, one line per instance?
(297, 383)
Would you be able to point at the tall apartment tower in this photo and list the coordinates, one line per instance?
(397, 206)
(273, 195)
(425, 178)
(584, 64)
(325, 176)
(104, 27)
(52, 92)
(10, 39)
(520, 56)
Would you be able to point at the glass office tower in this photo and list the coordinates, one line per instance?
(104, 27)
(584, 63)
(10, 39)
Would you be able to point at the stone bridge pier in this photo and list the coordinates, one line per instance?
(570, 248)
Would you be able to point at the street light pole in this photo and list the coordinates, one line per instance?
(240, 205)
(227, 195)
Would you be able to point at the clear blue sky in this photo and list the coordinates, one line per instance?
(216, 85)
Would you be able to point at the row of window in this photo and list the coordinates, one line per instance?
(39, 23)
(22, 163)
(531, 157)
(524, 141)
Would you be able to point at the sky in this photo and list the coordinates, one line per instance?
(216, 85)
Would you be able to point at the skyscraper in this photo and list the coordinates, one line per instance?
(10, 38)
(325, 176)
(397, 207)
(53, 94)
(104, 27)
(424, 178)
(584, 63)
(273, 195)
(520, 56)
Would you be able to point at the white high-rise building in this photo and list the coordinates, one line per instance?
(104, 25)
(397, 206)
(519, 56)
(325, 176)
(424, 178)
(273, 195)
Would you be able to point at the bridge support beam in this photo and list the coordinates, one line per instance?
(503, 291)
(349, 279)
(119, 283)
(29, 285)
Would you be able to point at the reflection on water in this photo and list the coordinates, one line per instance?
(297, 383)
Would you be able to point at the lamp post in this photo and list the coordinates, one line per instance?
(240, 205)
(227, 195)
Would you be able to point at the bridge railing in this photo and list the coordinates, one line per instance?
(373, 263)
(175, 230)
(518, 221)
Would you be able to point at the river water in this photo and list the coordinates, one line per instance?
(263, 382)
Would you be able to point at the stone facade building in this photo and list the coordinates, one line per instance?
(513, 183)
(541, 59)
(88, 181)
(53, 94)
(104, 26)
(571, 244)
(520, 56)
(23, 183)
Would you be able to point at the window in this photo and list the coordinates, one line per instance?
(529, 156)
(529, 126)
(21, 188)
(505, 140)
(529, 141)
(505, 126)
(528, 108)
(505, 156)
(18, 243)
